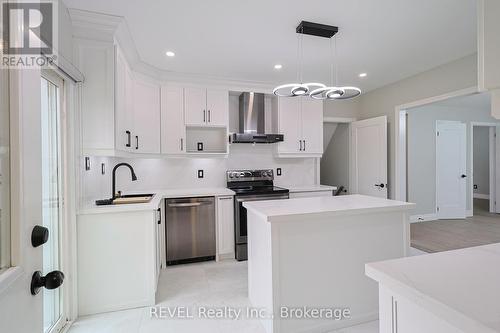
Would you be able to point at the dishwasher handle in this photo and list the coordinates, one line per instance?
(189, 204)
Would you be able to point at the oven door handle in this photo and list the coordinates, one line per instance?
(276, 197)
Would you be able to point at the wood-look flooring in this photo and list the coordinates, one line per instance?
(444, 235)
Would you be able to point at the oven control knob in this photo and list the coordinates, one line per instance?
(242, 174)
(231, 175)
(236, 175)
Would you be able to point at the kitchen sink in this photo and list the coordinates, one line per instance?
(126, 199)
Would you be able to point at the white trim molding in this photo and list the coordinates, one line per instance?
(338, 120)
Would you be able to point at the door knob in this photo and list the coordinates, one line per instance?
(463, 176)
(382, 185)
(39, 236)
(52, 280)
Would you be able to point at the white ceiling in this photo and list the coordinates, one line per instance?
(243, 40)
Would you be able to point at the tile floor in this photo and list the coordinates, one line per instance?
(192, 286)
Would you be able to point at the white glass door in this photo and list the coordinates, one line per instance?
(52, 195)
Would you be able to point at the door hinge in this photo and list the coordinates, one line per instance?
(437, 133)
(437, 209)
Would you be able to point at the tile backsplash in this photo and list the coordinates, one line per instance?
(157, 174)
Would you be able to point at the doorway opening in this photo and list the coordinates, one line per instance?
(440, 177)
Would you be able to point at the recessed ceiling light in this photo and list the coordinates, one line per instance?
(170, 54)
(278, 66)
(363, 75)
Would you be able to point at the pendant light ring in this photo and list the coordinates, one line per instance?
(285, 90)
(322, 93)
(349, 92)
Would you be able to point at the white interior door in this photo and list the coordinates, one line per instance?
(451, 166)
(19, 310)
(369, 157)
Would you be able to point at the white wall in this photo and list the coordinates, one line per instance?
(422, 151)
(166, 173)
(349, 108)
(481, 159)
(335, 160)
(456, 75)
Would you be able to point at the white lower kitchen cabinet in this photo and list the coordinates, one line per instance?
(398, 314)
(117, 261)
(225, 227)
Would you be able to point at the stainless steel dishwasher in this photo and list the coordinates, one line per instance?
(190, 230)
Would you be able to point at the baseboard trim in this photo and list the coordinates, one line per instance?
(423, 218)
(480, 196)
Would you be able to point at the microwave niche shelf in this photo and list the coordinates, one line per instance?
(206, 140)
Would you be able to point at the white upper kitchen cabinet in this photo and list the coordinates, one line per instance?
(300, 120)
(146, 130)
(173, 130)
(206, 107)
(96, 60)
(120, 110)
(124, 117)
(312, 126)
(289, 125)
(217, 107)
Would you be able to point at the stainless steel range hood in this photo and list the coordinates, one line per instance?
(252, 121)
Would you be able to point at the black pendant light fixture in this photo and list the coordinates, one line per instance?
(316, 90)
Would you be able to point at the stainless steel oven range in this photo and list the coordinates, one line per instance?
(250, 185)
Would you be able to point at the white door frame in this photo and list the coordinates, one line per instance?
(400, 187)
(492, 167)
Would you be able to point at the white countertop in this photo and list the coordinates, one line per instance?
(279, 210)
(91, 207)
(309, 188)
(460, 286)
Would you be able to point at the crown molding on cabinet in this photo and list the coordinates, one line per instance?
(112, 28)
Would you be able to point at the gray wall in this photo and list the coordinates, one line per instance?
(481, 159)
(335, 160)
(422, 151)
(456, 75)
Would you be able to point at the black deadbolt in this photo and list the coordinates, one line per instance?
(50, 281)
(39, 236)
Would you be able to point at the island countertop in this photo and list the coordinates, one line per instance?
(279, 210)
(462, 289)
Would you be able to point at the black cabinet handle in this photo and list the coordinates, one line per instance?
(208, 115)
(304, 145)
(204, 116)
(39, 236)
(129, 143)
(52, 280)
(136, 142)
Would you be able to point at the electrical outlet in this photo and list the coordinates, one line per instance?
(200, 173)
(200, 146)
(278, 172)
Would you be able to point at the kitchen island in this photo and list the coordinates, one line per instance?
(309, 254)
(460, 295)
